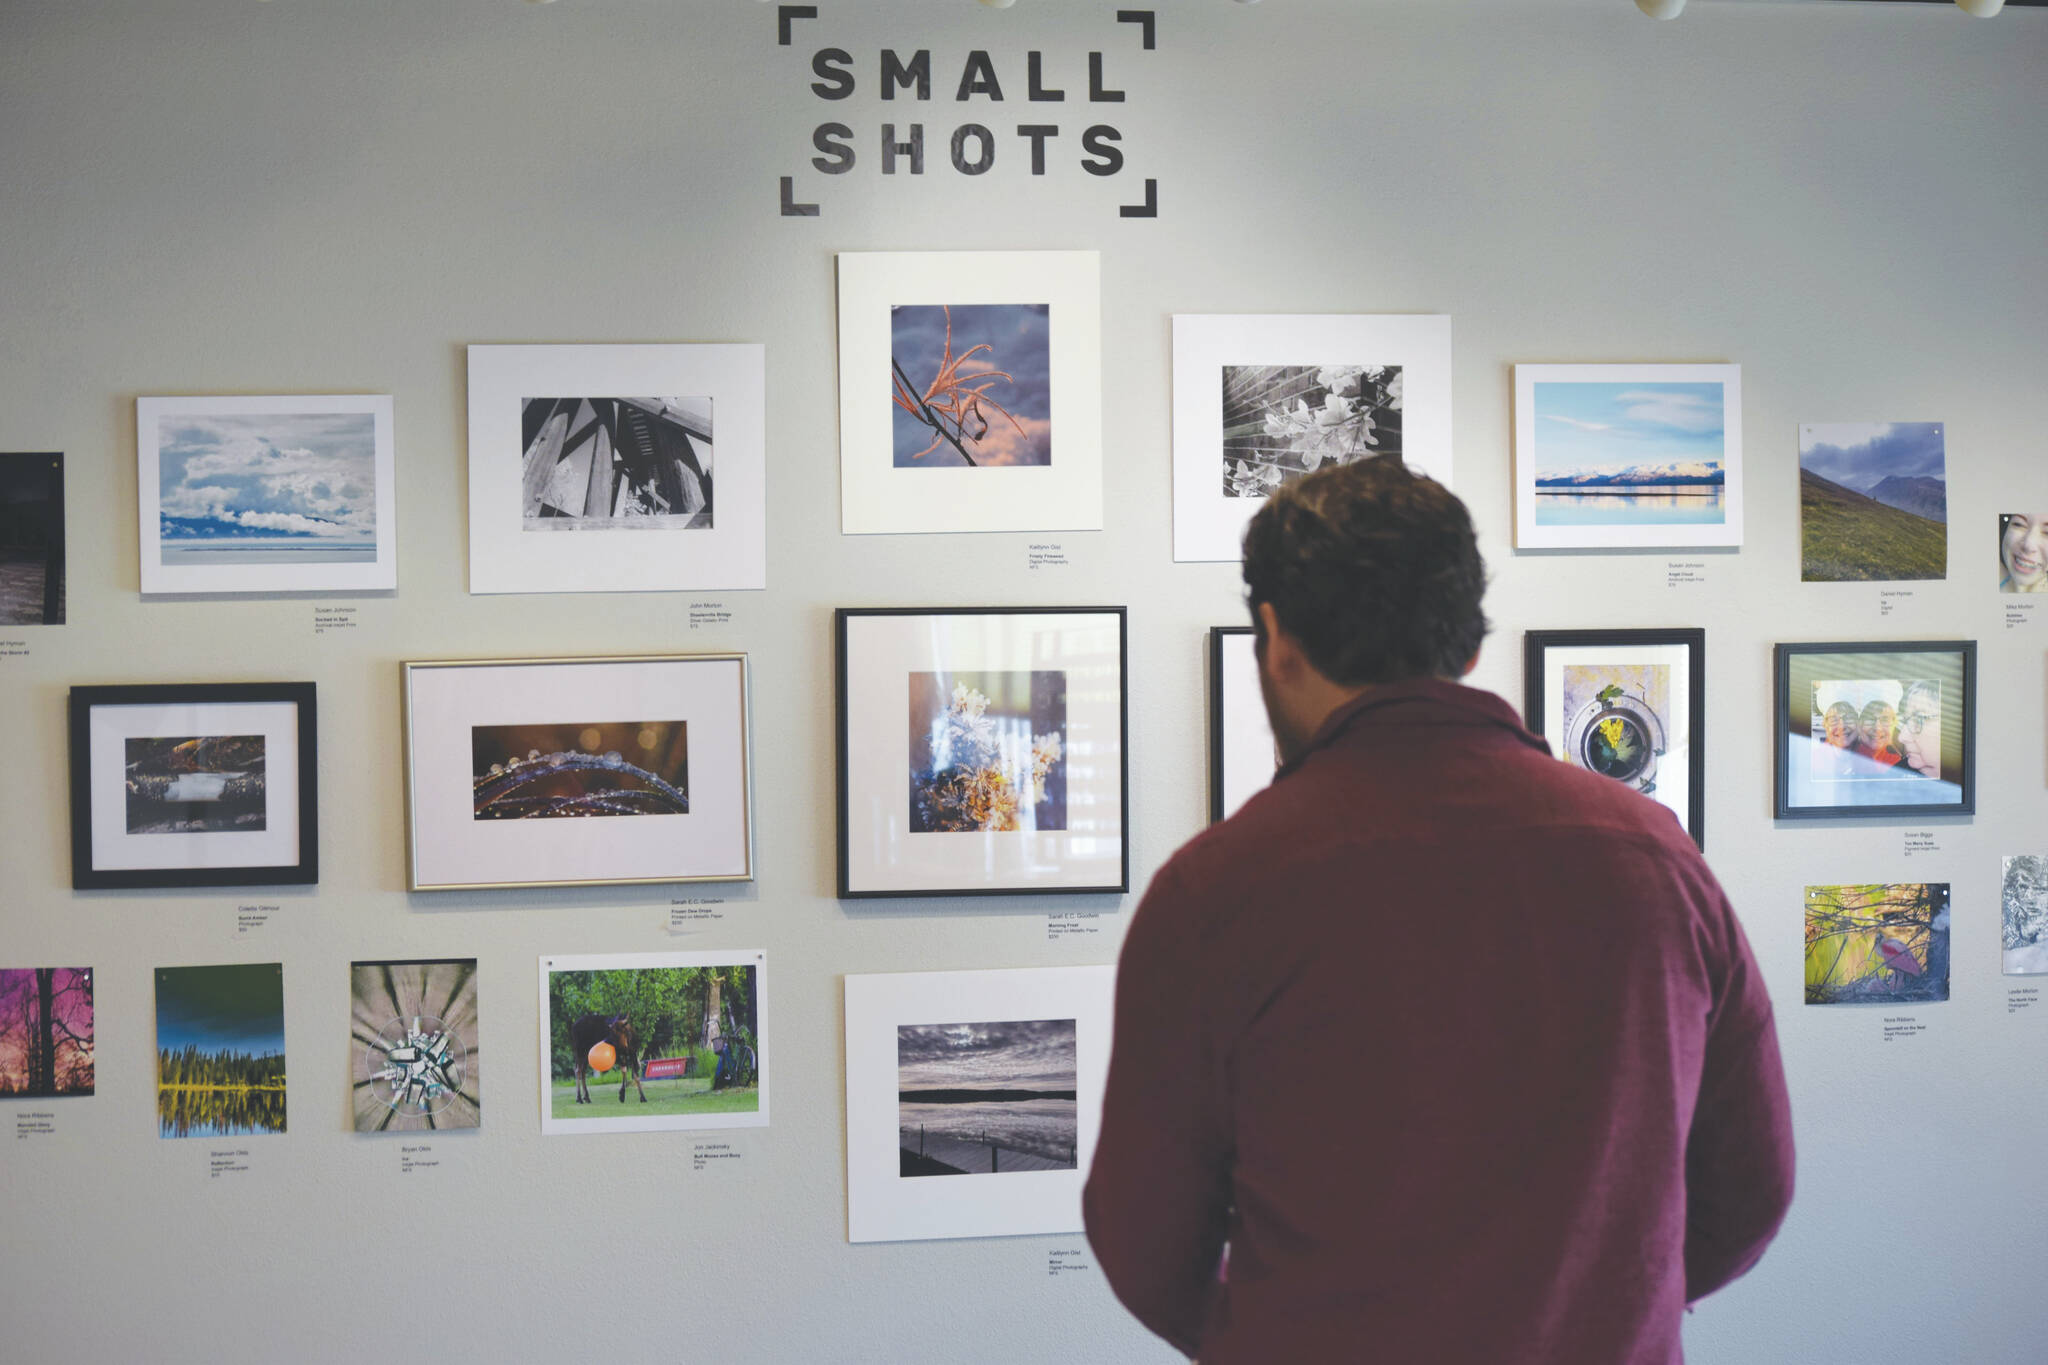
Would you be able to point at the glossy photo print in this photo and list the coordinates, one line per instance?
(972, 384)
(220, 1050)
(616, 464)
(986, 1097)
(31, 539)
(267, 494)
(988, 751)
(413, 1035)
(1628, 455)
(1873, 501)
(1880, 944)
(46, 1033)
(546, 772)
(639, 1042)
(1876, 729)
(2023, 552)
(2023, 924)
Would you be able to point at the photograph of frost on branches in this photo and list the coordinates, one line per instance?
(46, 1038)
(987, 751)
(1281, 422)
(972, 384)
(220, 1050)
(986, 1098)
(1878, 944)
(542, 772)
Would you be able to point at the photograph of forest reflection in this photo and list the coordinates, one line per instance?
(220, 1050)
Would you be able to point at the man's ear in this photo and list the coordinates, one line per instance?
(1470, 664)
(1283, 652)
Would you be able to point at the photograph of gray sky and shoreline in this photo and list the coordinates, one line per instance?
(986, 1098)
(267, 488)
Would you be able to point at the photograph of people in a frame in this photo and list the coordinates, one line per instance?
(267, 494)
(1628, 456)
(970, 391)
(617, 468)
(1878, 729)
(1260, 401)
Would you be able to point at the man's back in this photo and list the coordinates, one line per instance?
(1435, 1014)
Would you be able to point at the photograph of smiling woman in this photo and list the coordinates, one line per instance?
(2023, 552)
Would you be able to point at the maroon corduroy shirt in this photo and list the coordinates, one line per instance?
(1462, 1050)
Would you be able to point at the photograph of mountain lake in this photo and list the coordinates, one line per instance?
(986, 1098)
(192, 784)
(1630, 454)
(220, 1050)
(1873, 501)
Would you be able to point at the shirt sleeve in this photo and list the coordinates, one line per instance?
(1738, 1157)
(1158, 1195)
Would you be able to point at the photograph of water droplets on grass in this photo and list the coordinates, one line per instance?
(675, 1042)
(1877, 944)
(1873, 501)
(601, 768)
(986, 1098)
(220, 1050)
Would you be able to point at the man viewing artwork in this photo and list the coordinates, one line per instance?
(1438, 1049)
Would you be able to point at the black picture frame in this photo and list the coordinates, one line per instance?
(1632, 715)
(878, 852)
(1870, 785)
(1232, 717)
(87, 843)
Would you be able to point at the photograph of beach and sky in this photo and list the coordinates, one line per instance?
(1629, 454)
(972, 384)
(267, 488)
(986, 1098)
(1873, 501)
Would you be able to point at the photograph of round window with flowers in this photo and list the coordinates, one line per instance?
(1616, 731)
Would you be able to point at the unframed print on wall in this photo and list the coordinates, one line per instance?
(973, 1100)
(1627, 456)
(1261, 400)
(653, 1042)
(46, 1032)
(1877, 944)
(2023, 927)
(970, 391)
(31, 539)
(1873, 501)
(220, 1061)
(413, 1033)
(617, 468)
(267, 494)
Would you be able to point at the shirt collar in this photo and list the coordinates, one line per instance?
(1418, 701)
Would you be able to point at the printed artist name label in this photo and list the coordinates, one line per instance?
(694, 910)
(1046, 556)
(1686, 575)
(704, 1153)
(2019, 614)
(329, 620)
(1072, 923)
(13, 649)
(705, 615)
(250, 918)
(1889, 599)
(227, 1161)
(2019, 998)
(1900, 1027)
(1066, 1261)
(1920, 841)
(33, 1123)
(417, 1157)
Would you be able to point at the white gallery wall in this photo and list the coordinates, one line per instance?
(221, 196)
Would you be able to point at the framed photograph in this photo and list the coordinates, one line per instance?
(1877, 944)
(592, 469)
(413, 1038)
(1873, 501)
(46, 1033)
(2023, 551)
(2024, 920)
(1627, 704)
(1627, 456)
(981, 751)
(1262, 400)
(1242, 756)
(648, 1042)
(194, 784)
(267, 494)
(994, 1078)
(970, 391)
(220, 1050)
(31, 539)
(1873, 730)
(551, 772)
